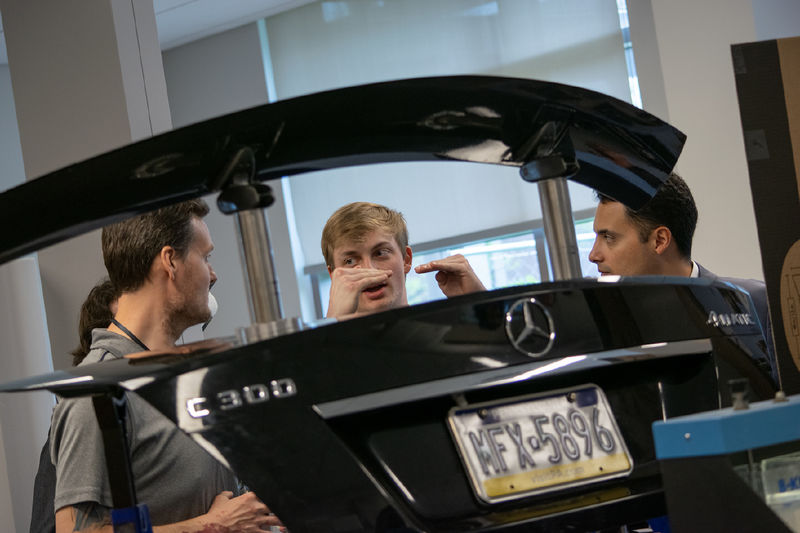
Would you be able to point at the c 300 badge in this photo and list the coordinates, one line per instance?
(226, 400)
(530, 328)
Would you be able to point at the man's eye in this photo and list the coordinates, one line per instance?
(349, 262)
(608, 237)
(382, 252)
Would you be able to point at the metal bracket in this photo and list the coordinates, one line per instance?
(551, 161)
(244, 197)
(549, 151)
(240, 191)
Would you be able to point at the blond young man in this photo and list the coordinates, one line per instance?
(366, 250)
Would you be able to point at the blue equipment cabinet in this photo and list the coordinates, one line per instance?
(697, 454)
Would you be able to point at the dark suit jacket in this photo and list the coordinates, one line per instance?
(758, 293)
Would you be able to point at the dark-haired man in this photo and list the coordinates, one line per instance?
(657, 240)
(159, 262)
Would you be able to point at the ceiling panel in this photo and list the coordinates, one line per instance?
(182, 21)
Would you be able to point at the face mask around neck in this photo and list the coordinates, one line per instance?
(213, 306)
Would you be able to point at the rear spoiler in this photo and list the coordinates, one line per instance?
(547, 129)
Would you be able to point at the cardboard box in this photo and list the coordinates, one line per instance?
(768, 84)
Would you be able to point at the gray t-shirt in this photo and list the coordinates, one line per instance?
(174, 476)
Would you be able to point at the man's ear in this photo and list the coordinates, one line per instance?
(407, 260)
(167, 258)
(662, 238)
(330, 271)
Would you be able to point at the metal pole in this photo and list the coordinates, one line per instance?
(259, 269)
(559, 230)
(247, 199)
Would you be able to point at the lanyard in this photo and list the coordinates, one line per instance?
(127, 332)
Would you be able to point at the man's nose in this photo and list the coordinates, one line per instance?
(595, 256)
(213, 275)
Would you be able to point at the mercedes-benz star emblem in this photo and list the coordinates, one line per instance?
(529, 326)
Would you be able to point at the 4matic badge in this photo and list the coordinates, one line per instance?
(234, 398)
(729, 319)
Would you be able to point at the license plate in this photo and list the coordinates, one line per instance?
(529, 445)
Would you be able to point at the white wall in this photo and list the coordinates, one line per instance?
(215, 75)
(694, 90)
(25, 352)
(702, 102)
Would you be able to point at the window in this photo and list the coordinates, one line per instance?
(498, 262)
(329, 44)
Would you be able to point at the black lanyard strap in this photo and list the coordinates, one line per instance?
(127, 332)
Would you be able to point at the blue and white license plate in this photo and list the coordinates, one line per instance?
(534, 444)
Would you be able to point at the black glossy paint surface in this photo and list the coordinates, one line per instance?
(311, 468)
